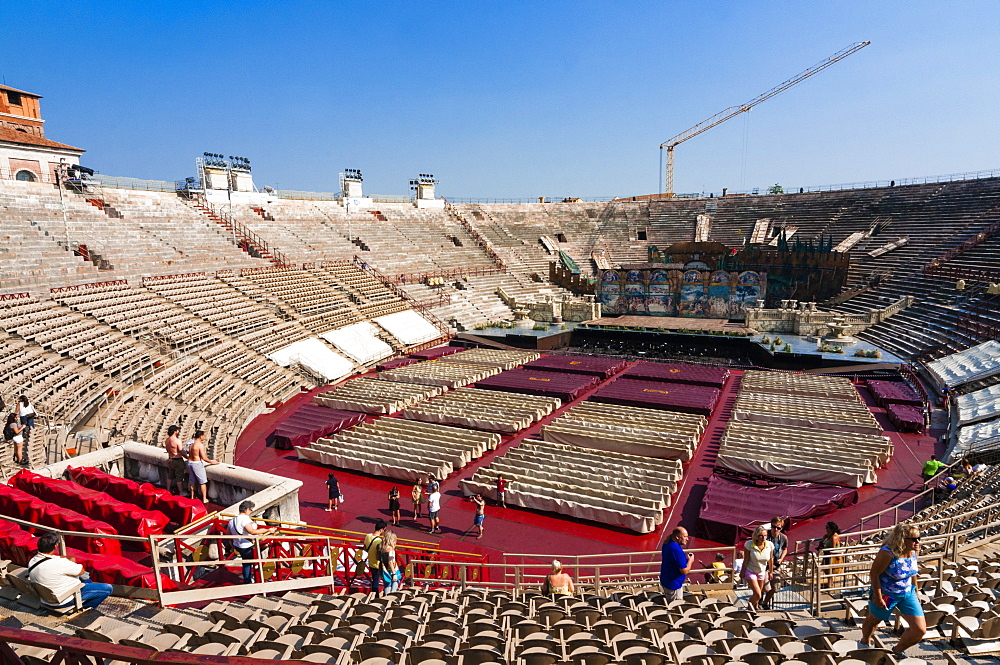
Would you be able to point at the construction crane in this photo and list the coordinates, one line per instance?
(734, 111)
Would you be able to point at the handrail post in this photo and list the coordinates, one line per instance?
(331, 568)
(155, 555)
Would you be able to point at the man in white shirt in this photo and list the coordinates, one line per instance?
(60, 574)
(433, 507)
(241, 525)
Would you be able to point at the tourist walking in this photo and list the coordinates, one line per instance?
(759, 564)
(13, 431)
(433, 509)
(931, 468)
(502, 491)
(392, 576)
(779, 541)
(893, 576)
(394, 504)
(417, 496)
(26, 413)
(827, 543)
(333, 494)
(366, 557)
(675, 564)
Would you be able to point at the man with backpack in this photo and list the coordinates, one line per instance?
(368, 555)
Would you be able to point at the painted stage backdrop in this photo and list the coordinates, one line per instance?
(696, 291)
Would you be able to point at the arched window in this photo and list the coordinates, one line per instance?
(25, 176)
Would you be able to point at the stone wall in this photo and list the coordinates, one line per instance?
(802, 318)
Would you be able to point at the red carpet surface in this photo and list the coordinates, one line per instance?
(514, 530)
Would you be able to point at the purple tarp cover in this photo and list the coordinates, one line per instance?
(311, 421)
(737, 504)
(546, 383)
(602, 367)
(680, 397)
(894, 392)
(396, 363)
(436, 352)
(907, 418)
(698, 375)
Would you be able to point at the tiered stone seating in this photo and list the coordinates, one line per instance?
(200, 241)
(402, 449)
(160, 234)
(628, 429)
(377, 396)
(603, 486)
(222, 305)
(316, 304)
(29, 258)
(370, 295)
(238, 359)
(304, 230)
(76, 336)
(423, 627)
(138, 312)
(484, 409)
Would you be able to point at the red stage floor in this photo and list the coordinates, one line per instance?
(514, 530)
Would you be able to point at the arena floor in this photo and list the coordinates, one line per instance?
(514, 530)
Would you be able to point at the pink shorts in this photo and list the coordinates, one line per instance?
(750, 575)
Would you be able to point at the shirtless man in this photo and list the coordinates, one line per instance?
(480, 516)
(176, 464)
(197, 459)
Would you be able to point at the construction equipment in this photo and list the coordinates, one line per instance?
(734, 111)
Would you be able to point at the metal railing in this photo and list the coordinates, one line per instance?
(872, 184)
(532, 199)
(124, 182)
(596, 573)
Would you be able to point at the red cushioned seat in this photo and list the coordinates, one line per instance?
(127, 518)
(179, 509)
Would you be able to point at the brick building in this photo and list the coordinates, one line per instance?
(25, 153)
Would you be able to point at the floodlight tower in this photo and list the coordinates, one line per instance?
(733, 111)
(350, 184)
(423, 185)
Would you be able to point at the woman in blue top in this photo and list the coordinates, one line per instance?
(893, 574)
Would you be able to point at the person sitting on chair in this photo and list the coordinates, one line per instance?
(59, 575)
(557, 582)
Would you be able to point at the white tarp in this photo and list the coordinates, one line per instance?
(359, 341)
(980, 405)
(315, 355)
(976, 438)
(408, 327)
(978, 362)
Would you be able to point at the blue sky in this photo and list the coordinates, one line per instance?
(514, 99)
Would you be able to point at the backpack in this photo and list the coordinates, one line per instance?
(8, 432)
